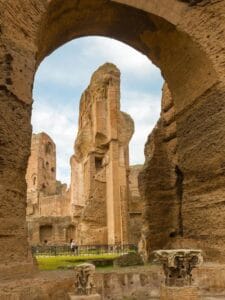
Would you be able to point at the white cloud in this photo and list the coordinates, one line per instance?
(126, 58)
(145, 111)
(72, 71)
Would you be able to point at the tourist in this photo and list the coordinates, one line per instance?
(73, 246)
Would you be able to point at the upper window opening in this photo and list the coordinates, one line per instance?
(48, 148)
(98, 163)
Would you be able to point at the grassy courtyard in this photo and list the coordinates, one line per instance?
(68, 261)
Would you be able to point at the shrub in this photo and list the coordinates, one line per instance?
(130, 259)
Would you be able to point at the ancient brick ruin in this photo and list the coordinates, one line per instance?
(183, 178)
(100, 205)
(135, 206)
(49, 213)
(101, 152)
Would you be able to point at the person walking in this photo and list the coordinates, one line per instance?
(72, 245)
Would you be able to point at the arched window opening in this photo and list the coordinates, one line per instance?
(46, 234)
(70, 233)
(48, 148)
(98, 163)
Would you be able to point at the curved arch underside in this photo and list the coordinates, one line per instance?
(181, 60)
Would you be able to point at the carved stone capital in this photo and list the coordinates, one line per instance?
(178, 265)
(84, 279)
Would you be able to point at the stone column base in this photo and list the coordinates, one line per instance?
(179, 293)
(83, 297)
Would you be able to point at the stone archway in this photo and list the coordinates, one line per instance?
(45, 232)
(185, 43)
(70, 233)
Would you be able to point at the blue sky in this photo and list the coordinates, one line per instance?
(65, 74)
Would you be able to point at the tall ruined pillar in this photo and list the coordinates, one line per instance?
(15, 137)
(114, 213)
(15, 257)
(113, 199)
(101, 161)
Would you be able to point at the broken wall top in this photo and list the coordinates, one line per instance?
(100, 118)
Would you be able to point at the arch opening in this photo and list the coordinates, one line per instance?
(136, 95)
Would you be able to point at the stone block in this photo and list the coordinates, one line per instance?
(84, 297)
(179, 293)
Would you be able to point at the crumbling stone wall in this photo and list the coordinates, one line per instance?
(135, 205)
(41, 172)
(100, 164)
(164, 186)
(49, 212)
(161, 183)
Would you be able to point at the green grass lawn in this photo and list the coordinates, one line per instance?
(57, 262)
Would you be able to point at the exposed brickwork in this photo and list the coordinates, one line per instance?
(100, 166)
(178, 293)
(49, 211)
(187, 44)
(135, 206)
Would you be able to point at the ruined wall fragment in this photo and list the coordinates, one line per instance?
(101, 161)
(49, 213)
(160, 183)
(135, 206)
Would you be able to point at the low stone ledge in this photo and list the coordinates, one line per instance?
(83, 297)
(179, 293)
(137, 283)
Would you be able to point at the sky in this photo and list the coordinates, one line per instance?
(65, 74)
